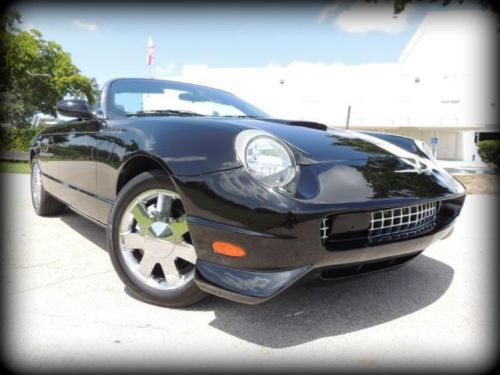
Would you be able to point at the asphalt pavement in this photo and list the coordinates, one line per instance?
(65, 308)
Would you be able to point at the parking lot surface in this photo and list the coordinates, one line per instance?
(66, 308)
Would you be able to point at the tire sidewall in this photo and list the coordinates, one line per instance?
(48, 204)
(37, 209)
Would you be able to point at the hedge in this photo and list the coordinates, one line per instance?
(14, 139)
(490, 152)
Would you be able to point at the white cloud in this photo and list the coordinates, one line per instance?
(92, 27)
(164, 70)
(364, 17)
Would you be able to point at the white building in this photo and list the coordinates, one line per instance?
(441, 87)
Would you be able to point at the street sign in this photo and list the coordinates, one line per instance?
(434, 141)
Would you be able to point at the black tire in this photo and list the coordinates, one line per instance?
(185, 295)
(47, 205)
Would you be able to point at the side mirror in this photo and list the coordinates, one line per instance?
(75, 108)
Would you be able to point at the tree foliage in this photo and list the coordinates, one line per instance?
(490, 152)
(13, 139)
(35, 73)
(400, 5)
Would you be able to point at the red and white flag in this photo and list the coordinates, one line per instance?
(151, 51)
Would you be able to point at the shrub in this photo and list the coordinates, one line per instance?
(16, 139)
(490, 152)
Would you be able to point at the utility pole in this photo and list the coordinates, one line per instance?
(348, 117)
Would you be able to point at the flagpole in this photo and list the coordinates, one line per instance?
(150, 56)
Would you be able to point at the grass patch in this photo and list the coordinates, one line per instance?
(480, 183)
(14, 167)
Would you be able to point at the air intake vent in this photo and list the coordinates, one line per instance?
(358, 229)
(404, 222)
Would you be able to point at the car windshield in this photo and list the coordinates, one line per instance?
(150, 97)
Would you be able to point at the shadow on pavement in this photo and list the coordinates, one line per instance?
(304, 314)
(91, 231)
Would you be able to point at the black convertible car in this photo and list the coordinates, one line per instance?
(202, 192)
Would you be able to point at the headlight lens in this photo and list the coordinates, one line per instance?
(265, 157)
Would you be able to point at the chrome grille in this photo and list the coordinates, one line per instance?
(403, 222)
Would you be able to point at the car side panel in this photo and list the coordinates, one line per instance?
(114, 147)
(67, 163)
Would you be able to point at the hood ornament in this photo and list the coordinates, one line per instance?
(417, 166)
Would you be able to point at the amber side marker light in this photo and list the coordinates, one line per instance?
(226, 248)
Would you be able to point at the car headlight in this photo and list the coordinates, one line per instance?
(265, 157)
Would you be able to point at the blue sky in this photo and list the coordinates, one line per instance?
(111, 41)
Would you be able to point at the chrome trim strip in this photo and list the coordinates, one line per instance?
(66, 185)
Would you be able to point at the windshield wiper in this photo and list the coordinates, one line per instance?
(164, 112)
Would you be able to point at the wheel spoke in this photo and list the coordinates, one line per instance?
(132, 240)
(146, 265)
(163, 206)
(184, 251)
(170, 270)
(179, 227)
(162, 247)
(142, 216)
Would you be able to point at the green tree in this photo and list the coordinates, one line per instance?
(36, 73)
(490, 152)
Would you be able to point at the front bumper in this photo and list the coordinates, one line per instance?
(255, 286)
(281, 233)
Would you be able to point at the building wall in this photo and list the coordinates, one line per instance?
(442, 85)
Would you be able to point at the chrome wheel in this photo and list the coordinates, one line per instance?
(36, 184)
(154, 240)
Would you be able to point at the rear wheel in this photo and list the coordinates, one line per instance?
(149, 242)
(43, 203)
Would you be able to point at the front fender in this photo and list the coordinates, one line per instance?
(186, 146)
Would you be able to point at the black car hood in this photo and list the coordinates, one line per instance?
(198, 145)
(317, 143)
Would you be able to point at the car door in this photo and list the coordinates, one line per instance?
(70, 164)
